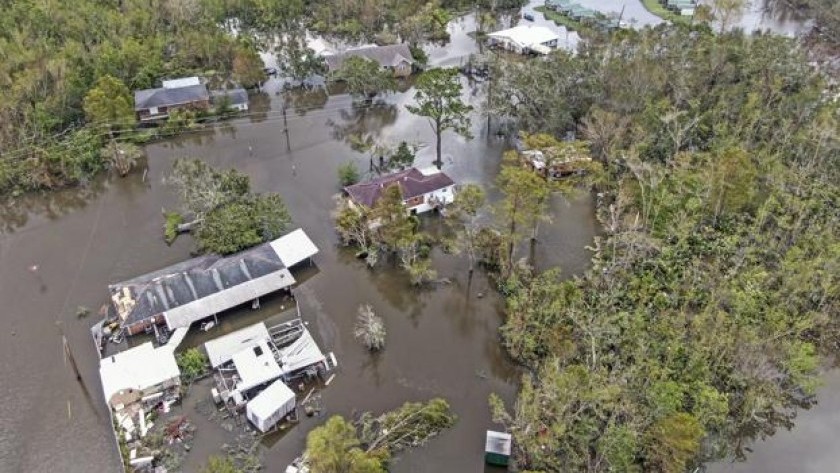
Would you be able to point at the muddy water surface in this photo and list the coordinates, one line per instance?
(59, 252)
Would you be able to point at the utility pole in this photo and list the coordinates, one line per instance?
(286, 127)
(490, 91)
(68, 354)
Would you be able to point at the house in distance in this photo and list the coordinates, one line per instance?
(525, 39)
(176, 94)
(395, 57)
(423, 190)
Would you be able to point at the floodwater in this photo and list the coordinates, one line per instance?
(774, 16)
(810, 447)
(59, 251)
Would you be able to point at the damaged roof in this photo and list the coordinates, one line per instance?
(202, 286)
(413, 183)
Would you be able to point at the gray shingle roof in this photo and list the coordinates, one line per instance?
(236, 96)
(148, 98)
(386, 56)
(412, 182)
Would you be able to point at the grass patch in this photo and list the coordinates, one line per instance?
(659, 10)
(170, 228)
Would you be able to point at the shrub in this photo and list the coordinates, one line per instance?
(348, 174)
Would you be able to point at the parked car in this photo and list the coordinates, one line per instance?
(270, 71)
(528, 16)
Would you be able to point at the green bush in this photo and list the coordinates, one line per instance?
(192, 363)
(348, 174)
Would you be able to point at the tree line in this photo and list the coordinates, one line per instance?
(56, 54)
(714, 290)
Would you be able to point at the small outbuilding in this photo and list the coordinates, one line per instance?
(234, 99)
(138, 372)
(270, 406)
(221, 350)
(497, 448)
(255, 366)
(525, 39)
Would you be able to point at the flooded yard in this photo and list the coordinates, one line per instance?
(59, 251)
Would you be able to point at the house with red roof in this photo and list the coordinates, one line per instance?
(423, 190)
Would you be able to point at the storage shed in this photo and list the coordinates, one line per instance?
(270, 406)
(497, 448)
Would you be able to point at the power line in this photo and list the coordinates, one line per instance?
(209, 122)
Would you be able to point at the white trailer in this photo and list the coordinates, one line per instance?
(270, 406)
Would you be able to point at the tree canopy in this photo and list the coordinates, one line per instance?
(715, 289)
(227, 216)
(364, 78)
(438, 97)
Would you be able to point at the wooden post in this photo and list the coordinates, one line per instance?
(286, 128)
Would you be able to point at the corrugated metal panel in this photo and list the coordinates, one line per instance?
(199, 309)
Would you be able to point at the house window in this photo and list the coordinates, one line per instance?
(153, 111)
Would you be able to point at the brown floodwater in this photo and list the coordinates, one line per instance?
(59, 251)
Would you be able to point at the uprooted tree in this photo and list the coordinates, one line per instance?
(226, 216)
(368, 445)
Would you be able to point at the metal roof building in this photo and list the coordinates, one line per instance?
(271, 405)
(255, 366)
(221, 350)
(526, 38)
(201, 287)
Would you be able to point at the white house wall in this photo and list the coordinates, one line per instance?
(445, 195)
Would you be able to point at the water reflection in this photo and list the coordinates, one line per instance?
(363, 121)
(16, 212)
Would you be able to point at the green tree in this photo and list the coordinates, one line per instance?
(403, 156)
(348, 174)
(469, 200)
(203, 188)
(247, 67)
(109, 104)
(726, 11)
(192, 363)
(364, 78)
(217, 464)
(672, 442)
(438, 97)
(297, 60)
(335, 448)
(354, 226)
(524, 201)
(242, 224)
